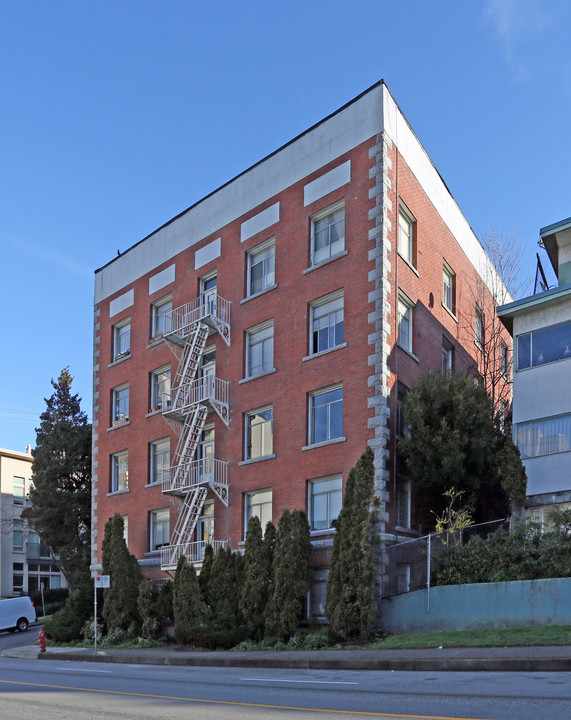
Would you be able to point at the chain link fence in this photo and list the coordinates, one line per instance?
(407, 565)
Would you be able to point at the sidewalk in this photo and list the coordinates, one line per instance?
(515, 659)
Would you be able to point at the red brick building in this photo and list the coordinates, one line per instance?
(248, 350)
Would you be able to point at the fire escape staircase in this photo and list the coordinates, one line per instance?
(191, 398)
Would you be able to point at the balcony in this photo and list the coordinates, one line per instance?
(206, 390)
(209, 308)
(193, 551)
(36, 550)
(185, 477)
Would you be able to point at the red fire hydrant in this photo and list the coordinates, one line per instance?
(42, 641)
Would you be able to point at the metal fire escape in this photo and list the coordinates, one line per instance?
(191, 398)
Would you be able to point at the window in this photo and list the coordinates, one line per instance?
(120, 404)
(325, 498)
(259, 433)
(405, 322)
(19, 490)
(160, 386)
(407, 226)
(205, 526)
(504, 360)
(402, 427)
(502, 412)
(120, 471)
(261, 268)
(209, 292)
(326, 323)
(17, 577)
(159, 528)
(326, 415)
(122, 339)
(402, 504)
(317, 594)
(328, 233)
(447, 356)
(402, 575)
(159, 460)
(544, 346)
(479, 327)
(258, 503)
(544, 437)
(162, 317)
(18, 536)
(260, 349)
(125, 519)
(448, 289)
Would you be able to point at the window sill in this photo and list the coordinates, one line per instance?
(118, 492)
(115, 426)
(323, 352)
(409, 264)
(321, 533)
(326, 262)
(256, 295)
(255, 377)
(401, 528)
(450, 313)
(152, 413)
(153, 484)
(155, 341)
(409, 353)
(325, 443)
(119, 359)
(153, 553)
(256, 460)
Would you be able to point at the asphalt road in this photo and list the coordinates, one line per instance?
(15, 639)
(85, 691)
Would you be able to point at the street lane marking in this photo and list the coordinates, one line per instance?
(319, 682)
(82, 670)
(238, 704)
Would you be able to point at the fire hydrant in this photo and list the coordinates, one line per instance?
(42, 641)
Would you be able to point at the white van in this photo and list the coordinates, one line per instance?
(16, 614)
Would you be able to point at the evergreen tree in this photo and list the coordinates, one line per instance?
(292, 575)
(188, 608)
(454, 441)
(205, 573)
(120, 606)
(256, 585)
(351, 606)
(224, 588)
(60, 499)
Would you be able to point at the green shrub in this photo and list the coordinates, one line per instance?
(67, 624)
(189, 611)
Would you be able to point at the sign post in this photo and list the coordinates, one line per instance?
(99, 581)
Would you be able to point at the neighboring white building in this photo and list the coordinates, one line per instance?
(25, 563)
(541, 329)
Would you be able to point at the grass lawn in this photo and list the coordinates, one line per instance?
(489, 637)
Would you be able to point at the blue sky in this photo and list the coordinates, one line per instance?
(115, 116)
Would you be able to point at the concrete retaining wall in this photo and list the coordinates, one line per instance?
(462, 607)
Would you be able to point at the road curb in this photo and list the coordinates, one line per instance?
(544, 664)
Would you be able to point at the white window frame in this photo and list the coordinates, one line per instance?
(160, 324)
(256, 502)
(448, 288)
(329, 407)
(18, 490)
(262, 334)
(318, 593)
(122, 339)
(504, 360)
(543, 436)
(331, 490)
(266, 440)
(316, 219)
(159, 458)
(479, 327)
(120, 406)
(120, 471)
(18, 529)
(327, 311)
(159, 529)
(264, 254)
(406, 233)
(447, 356)
(160, 388)
(405, 312)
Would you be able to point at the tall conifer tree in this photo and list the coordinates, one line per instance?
(60, 499)
(350, 606)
